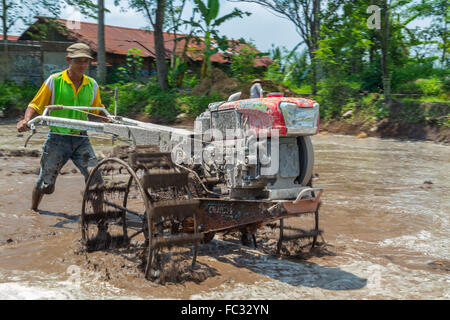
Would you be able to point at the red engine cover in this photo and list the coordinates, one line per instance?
(265, 113)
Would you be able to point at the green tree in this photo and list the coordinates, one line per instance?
(133, 66)
(209, 27)
(289, 67)
(242, 65)
(307, 17)
(181, 63)
(155, 12)
(173, 23)
(346, 39)
(439, 12)
(87, 8)
(349, 48)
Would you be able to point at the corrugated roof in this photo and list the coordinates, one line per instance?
(118, 40)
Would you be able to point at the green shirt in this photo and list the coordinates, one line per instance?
(59, 89)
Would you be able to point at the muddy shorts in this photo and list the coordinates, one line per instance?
(58, 149)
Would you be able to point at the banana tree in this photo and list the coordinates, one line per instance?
(208, 26)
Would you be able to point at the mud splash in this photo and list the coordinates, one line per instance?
(120, 262)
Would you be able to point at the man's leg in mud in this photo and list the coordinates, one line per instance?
(54, 156)
(84, 158)
(36, 198)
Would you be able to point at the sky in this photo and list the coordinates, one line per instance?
(262, 27)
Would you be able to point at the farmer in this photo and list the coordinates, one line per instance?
(256, 90)
(70, 87)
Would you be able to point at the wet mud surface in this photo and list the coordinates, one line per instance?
(386, 129)
(384, 215)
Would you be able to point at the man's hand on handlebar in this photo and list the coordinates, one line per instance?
(22, 126)
(105, 117)
(30, 113)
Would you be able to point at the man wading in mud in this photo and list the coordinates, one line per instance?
(70, 87)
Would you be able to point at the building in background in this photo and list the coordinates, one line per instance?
(40, 50)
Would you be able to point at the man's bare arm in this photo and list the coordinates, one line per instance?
(101, 117)
(105, 117)
(30, 113)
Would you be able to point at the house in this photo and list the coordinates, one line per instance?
(118, 40)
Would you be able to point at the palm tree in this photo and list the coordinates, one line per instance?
(208, 12)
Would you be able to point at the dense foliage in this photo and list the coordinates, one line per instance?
(162, 105)
(14, 98)
(349, 58)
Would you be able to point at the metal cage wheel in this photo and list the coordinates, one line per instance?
(113, 212)
(168, 246)
(172, 230)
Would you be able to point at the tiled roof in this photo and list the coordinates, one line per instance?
(119, 39)
(11, 38)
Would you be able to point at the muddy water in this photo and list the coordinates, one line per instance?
(385, 215)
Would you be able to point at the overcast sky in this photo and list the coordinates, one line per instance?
(262, 27)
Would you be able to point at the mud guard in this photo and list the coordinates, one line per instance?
(306, 155)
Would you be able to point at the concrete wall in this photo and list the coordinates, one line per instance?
(22, 64)
(32, 61)
(54, 62)
(25, 67)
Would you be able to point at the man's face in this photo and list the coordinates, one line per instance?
(79, 65)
